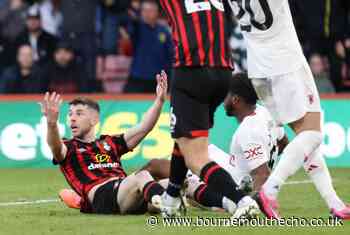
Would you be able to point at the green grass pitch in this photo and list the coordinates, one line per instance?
(16, 185)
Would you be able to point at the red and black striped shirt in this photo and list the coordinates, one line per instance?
(89, 164)
(199, 33)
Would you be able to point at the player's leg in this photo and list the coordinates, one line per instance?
(218, 179)
(202, 196)
(308, 138)
(301, 109)
(136, 189)
(318, 172)
(158, 168)
(191, 117)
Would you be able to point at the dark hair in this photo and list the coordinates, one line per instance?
(241, 85)
(150, 2)
(86, 101)
(64, 45)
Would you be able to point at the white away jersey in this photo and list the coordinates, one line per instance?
(255, 140)
(272, 44)
(253, 144)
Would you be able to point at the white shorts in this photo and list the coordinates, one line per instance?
(290, 96)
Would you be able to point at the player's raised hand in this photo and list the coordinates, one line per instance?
(162, 85)
(50, 106)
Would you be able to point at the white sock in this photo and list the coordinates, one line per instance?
(317, 169)
(244, 201)
(169, 200)
(292, 159)
(228, 205)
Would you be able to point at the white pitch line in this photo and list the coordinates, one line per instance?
(299, 182)
(42, 201)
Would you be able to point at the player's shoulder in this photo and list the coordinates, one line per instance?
(256, 118)
(254, 123)
(117, 140)
(116, 136)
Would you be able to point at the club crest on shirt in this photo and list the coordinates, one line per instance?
(102, 158)
(106, 146)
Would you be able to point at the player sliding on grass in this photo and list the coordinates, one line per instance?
(92, 165)
(283, 81)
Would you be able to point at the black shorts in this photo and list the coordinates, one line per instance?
(105, 199)
(196, 92)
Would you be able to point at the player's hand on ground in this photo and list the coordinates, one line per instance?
(50, 106)
(162, 85)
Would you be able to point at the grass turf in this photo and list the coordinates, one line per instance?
(300, 200)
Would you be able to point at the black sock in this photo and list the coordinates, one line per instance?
(178, 171)
(221, 181)
(150, 189)
(206, 197)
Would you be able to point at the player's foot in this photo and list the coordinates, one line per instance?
(170, 206)
(343, 214)
(268, 206)
(70, 198)
(246, 208)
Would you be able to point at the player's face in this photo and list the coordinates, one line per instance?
(81, 120)
(229, 104)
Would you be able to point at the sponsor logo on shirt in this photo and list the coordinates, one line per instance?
(103, 161)
(254, 151)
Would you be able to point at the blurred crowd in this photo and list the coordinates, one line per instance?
(118, 46)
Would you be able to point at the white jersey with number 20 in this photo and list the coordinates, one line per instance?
(272, 44)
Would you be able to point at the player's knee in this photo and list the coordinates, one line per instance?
(310, 122)
(143, 177)
(315, 138)
(195, 164)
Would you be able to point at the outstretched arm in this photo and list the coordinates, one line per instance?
(50, 109)
(137, 133)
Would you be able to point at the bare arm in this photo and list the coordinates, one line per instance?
(50, 108)
(259, 176)
(137, 133)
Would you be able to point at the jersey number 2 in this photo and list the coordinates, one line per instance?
(247, 8)
(194, 6)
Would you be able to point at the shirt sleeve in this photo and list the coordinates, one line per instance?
(254, 151)
(120, 143)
